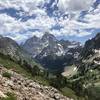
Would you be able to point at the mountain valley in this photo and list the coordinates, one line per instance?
(49, 49)
(81, 65)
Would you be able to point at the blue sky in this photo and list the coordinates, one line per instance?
(68, 19)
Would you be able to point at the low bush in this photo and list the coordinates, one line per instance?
(6, 74)
(10, 96)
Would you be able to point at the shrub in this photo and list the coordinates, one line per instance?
(11, 96)
(6, 74)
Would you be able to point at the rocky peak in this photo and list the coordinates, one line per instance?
(8, 46)
(11, 48)
(49, 47)
(90, 56)
(32, 40)
(91, 45)
(97, 36)
(6, 42)
(35, 38)
(48, 37)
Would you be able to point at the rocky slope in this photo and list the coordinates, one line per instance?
(14, 51)
(25, 89)
(90, 55)
(9, 47)
(89, 69)
(51, 52)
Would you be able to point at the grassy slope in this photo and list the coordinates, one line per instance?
(12, 65)
(9, 64)
(91, 77)
(5, 62)
(69, 92)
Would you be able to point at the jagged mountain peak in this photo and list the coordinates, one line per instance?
(48, 36)
(93, 43)
(97, 36)
(6, 42)
(33, 39)
(90, 46)
(10, 47)
(50, 49)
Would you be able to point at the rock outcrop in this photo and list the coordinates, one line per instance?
(26, 89)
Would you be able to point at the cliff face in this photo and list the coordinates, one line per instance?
(90, 55)
(90, 46)
(25, 89)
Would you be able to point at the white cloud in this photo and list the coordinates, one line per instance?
(18, 30)
(26, 5)
(8, 24)
(75, 5)
(83, 33)
(12, 25)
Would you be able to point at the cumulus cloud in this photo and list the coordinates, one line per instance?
(69, 26)
(26, 5)
(75, 5)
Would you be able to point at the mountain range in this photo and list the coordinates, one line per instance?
(14, 51)
(52, 53)
(83, 62)
(90, 55)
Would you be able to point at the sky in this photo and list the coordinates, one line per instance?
(77, 20)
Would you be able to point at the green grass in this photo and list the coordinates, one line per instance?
(71, 94)
(10, 96)
(9, 64)
(41, 80)
(94, 93)
(6, 74)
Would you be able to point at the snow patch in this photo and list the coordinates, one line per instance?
(75, 68)
(72, 46)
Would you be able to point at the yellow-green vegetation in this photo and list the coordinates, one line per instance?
(72, 87)
(93, 92)
(10, 96)
(69, 93)
(9, 64)
(5, 61)
(6, 74)
(87, 85)
(41, 80)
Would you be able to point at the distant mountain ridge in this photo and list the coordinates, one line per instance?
(90, 56)
(51, 52)
(10, 48)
